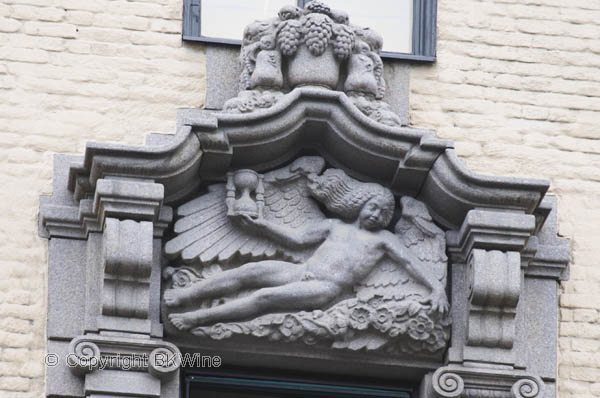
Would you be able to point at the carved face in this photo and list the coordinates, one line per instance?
(375, 214)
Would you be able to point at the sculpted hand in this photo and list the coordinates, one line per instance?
(254, 223)
(438, 301)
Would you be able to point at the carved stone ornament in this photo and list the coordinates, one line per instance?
(311, 47)
(273, 265)
(300, 229)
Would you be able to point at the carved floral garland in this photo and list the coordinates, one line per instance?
(390, 324)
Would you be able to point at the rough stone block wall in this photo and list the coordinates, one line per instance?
(517, 86)
(72, 71)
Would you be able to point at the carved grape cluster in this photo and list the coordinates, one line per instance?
(289, 36)
(318, 7)
(344, 41)
(318, 31)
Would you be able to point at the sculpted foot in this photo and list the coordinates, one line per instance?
(183, 321)
(175, 297)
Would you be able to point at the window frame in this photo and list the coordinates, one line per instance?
(253, 382)
(423, 37)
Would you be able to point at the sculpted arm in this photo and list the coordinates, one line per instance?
(310, 235)
(419, 271)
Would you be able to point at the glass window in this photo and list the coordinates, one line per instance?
(408, 27)
(226, 19)
(392, 19)
(234, 387)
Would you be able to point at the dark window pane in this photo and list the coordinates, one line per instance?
(231, 387)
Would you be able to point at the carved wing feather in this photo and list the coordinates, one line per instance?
(206, 234)
(211, 199)
(419, 234)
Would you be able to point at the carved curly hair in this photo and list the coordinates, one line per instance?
(345, 196)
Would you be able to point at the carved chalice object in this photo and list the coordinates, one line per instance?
(245, 193)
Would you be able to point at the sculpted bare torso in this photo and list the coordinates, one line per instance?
(347, 253)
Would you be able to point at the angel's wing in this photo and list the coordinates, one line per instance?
(205, 234)
(392, 283)
(419, 234)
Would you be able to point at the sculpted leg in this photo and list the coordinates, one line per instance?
(260, 274)
(295, 296)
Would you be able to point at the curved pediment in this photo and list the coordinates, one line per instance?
(409, 161)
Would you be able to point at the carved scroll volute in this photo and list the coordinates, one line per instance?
(495, 285)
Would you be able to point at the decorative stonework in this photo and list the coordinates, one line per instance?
(356, 284)
(311, 47)
(284, 243)
(397, 327)
(449, 382)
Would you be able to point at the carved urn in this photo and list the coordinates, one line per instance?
(306, 69)
(315, 41)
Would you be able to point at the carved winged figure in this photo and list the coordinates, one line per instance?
(291, 258)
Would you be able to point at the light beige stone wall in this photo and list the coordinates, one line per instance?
(516, 86)
(72, 71)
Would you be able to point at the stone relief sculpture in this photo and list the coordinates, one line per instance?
(264, 260)
(303, 267)
(308, 47)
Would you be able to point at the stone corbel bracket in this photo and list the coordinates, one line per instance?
(504, 301)
(490, 243)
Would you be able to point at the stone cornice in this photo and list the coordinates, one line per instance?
(410, 161)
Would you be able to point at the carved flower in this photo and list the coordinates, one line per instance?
(247, 104)
(420, 327)
(261, 328)
(436, 340)
(382, 319)
(219, 332)
(291, 328)
(375, 301)
(265, 100)
(359, 317)
(182, 277)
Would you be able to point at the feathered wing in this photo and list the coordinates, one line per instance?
(419, 234)
(205, 234)
(390, 283)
